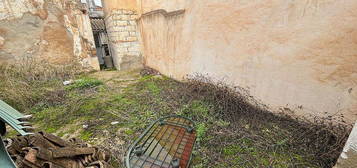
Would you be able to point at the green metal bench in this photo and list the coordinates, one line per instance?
(17, 121)
(167, 143)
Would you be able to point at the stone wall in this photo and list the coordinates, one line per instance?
(123, 37)
(54, 31)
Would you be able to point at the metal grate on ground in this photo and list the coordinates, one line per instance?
(166, 143)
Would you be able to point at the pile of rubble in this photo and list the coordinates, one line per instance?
(43, 150)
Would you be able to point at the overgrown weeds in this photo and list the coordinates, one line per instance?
(315, 142)
(228, 117)
(233, 130)
(30, 81)
(84, 83)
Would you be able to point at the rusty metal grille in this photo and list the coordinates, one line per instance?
(167, 143)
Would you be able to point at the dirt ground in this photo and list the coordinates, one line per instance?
(110, 109)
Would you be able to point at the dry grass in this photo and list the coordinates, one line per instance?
(29, 81)
(319, 141)
(233, 129)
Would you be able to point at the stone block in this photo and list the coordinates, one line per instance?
(132, 33)
(118, 29)
(133, 17)
(125, 44)
(112, 39)
(130, 28)
(131, 38)
(123, 34)
(122, 38)
(132, 22)
(128, 12)
(124, 17)
(117, 12)
(134, 48)
(133, 53)
(116, 17)
(121, 23)
(122, 50)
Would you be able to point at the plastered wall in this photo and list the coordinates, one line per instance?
(298, 55)
(110, 5)
(55, 31)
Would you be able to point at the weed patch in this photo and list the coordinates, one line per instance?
(232, 130)
(265, 138)
(201, 131)
(84, 83)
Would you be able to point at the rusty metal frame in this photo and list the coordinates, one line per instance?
(147, 149)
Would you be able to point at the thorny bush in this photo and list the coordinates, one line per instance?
(322, 138)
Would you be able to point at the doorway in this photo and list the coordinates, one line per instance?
(102, 43)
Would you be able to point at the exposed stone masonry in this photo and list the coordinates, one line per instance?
(123, 37)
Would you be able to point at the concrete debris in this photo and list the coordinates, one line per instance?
(85, 126)
(47, 150)
(68, 82)
(114, 123)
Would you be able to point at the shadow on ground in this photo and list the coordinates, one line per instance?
(111, 109)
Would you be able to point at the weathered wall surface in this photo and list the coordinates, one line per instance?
(56, 31)
(110, 5)
(167, 5)
(296, 54)
(169, 55)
